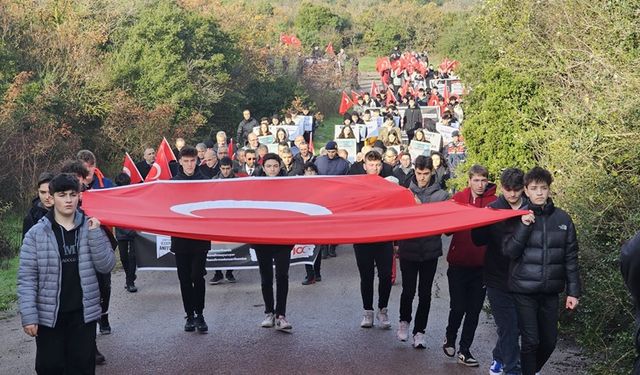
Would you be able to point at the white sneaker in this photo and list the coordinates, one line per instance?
(282, 324)
(420, 341)
(403, 331)
(367, 319)
(268, 321)
(383, 318)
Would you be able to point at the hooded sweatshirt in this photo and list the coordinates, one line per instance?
(462, 251)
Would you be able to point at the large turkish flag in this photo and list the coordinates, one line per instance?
(283, 210)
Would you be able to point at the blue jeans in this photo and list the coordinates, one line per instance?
(507, 349)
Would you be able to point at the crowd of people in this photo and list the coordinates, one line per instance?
(522, 264)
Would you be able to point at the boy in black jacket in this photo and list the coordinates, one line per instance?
(544, 262)
(506, 353)
(191, 255)
(419, 257)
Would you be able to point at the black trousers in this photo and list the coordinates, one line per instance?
(268, 256)
(538, 323)
(410, 272)
(369, 257)
(68, 348)
(191, 271)
(466, 293)
(104, 284)
(314, 270)
(128, 260)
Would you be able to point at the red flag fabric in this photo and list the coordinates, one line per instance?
(230, 152)
(396, 65)
(295, 41)
(329, 50)
(404, 89)
(391, 97)
(284, 210)
(129, 167)
(354, 96)
(433, 100)
(167, 150)
(311, 148)
(382, 64)
(345, 103)
(445, 93)
(160, 169)
(374, 90)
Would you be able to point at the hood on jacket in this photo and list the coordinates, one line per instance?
(77, 220)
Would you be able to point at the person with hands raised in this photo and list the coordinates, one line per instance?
(60, 303)
(543, 253)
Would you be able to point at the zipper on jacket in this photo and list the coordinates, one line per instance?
(544, 253)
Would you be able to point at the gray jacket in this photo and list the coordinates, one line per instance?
(40, 277)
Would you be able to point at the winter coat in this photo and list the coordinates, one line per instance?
(411, 116)
(462, 251)
(630, 267)
(496, 265)
(124, 234)
(423, 248)
(297, 168)
(404, 179)
(40, 276)
(332, 167)
(36, 212)
(144, 168)
(442, 175)
(100, 181)
(244, 128)
(187, 245)
(544, 255)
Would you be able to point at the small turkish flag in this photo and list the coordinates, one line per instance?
(345, 103)
(354, 96)
(129, 167)
(232, 155)
(167, 150)
(374, 90)
(160, 168)
(391, 97)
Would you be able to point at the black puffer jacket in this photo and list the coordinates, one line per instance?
(36, 212)
(186, 245)
(544, 255)
(630, 267)
(423, 248)
(496, 265)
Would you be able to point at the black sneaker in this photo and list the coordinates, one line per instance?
(449, 348)
(467, 359)
(216, 279)
(318, 278)
(100, 359)
(190, 325)
(103, 323)
(332, 252)
(230, 278)
(131, 288)
(309, 280)
(201, 325)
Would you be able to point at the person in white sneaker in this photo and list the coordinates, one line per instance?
(419, 257)
(270, 255)
(370, 256)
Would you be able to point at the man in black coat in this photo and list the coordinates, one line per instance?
(630, 267)
(191, 255)
(506, 353)
(245, 127)
(144, 165)
(419, 258)
(40, 204)
(544, 262)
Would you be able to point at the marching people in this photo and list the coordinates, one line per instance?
(191, 255)
(313, 271)
(371, 257)
(245, 127)
(543, 250)
(466, 261)
(60, 303)
(270, 256)
(419, 257)
(506, 353)
(144, 165)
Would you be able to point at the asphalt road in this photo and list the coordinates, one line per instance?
(148, 336)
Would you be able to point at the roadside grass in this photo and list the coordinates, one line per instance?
(10, 229)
